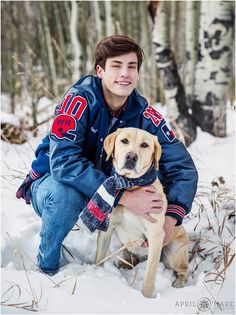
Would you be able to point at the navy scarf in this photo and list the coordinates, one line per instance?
(95, 215)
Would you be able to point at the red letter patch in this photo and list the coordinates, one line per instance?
(63, 127)
(155, 116)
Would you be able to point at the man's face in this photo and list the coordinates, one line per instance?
(120, 75)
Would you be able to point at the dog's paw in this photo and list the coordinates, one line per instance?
(122, 265)
(128, 262)
(179, 282)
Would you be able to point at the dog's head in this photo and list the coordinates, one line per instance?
(133, 151)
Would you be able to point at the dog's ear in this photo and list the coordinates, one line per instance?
(157, 152)
(109, 143)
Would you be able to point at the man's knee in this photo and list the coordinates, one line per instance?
(56, 197)
(63, 195)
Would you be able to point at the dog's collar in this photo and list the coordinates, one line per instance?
(146, 179)
(95, 214)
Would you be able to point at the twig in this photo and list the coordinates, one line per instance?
(15, 150)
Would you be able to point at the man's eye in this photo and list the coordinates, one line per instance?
(144, 145)
(125, 141)
(115, 66)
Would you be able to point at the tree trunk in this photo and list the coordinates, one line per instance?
(191, 45)
(97, 21)
(179, 48)
(109, 22)
(213, 73)
(120, 18)
(135, 21)
(51, 62)
(76, 47)
(177, 107)
(7, 67)
(60, 46)
(128, 22)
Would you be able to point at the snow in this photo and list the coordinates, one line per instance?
(80, 287)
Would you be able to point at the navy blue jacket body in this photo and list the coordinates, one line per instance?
(73, 150)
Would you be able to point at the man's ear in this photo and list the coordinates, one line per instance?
(99, 71)
(109, 143)
(157, 152)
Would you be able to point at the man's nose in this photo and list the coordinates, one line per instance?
(124, 72)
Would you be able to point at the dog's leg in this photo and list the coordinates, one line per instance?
(103, 242)
(155, 242)
(176, 256)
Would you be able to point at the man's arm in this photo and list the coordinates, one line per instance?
(40, 165)
(179, 177)
(177, 171)
(67, 141)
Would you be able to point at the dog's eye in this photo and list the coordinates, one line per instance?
(125, 141)
(144, 145)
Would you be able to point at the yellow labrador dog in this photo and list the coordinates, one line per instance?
(134, 151)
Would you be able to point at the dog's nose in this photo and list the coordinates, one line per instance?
(131, 157)
(130, 160)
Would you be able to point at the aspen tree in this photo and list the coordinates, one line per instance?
(175, 99)
(51, 61)
(74, 40)
(213, 71)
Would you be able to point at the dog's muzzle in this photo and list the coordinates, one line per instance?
(130, 160)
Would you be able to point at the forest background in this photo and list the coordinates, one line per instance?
(189, 64)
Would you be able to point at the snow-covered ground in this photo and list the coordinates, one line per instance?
(80, 287)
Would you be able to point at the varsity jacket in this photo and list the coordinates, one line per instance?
(73, 150)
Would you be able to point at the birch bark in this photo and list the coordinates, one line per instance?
(177, 108)
(76, 47)
(213, 72)
(191, 44)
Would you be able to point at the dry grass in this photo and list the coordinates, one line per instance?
(13, 296)
(214, 244)
(20, 297)
(211, 249)
(108, 257)
(17, 295)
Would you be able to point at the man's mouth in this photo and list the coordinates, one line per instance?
(123, 83)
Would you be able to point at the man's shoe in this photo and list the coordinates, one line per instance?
(50, 273)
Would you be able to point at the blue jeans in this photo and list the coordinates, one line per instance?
(59, 206)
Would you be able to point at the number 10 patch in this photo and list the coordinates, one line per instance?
(65, 123)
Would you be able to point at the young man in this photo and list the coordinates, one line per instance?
(64, 177)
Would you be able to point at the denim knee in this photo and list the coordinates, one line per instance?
(56, 198)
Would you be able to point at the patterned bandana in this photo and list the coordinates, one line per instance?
(95, 215)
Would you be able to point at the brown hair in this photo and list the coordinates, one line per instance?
(116, 45)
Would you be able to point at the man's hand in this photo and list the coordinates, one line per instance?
(143, 201)
(24, 191)
(168, 227)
